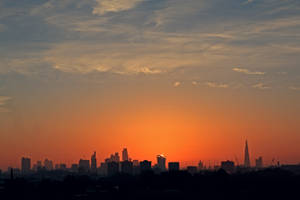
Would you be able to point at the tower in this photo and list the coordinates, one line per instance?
(247, 157)
(25, 164)
(161, 162)
(125, 155)
(94, 162)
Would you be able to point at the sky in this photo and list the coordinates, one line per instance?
(190, 79)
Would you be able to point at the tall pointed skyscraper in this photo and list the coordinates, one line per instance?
(247, 157)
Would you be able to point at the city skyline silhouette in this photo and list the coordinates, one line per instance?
(91, 165)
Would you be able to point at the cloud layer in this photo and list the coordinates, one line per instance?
(150, 37)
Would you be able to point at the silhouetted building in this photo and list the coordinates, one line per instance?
(94, 163)
(63, 166)
(136, 167)
(115, 157)
(247, 157)
(112, 168)
(200, 165)
(145, 166)
(173, 166)
(136, 163)
(74, 168)
(103, 169)
(11, 170)
(127, 167)
(48, 164)
(161, 162)
(228, 166)
(125, 155)
(259, 163)
(192, 169)
(25, 165)
(84, 165)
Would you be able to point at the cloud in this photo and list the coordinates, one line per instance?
(246, 71)
(177, 84)
(216, 85)
(261, 86)
(105, 6)
(194, 83)
(294, 88)
(143, 70)
(3, 102)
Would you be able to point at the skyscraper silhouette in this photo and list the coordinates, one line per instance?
(94, 162)
(25, 164)
(247, 157)
(161, 162)
(125, 155)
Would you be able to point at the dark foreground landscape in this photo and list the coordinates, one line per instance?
(272, 183)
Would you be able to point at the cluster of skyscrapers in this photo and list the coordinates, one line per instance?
(113, 165)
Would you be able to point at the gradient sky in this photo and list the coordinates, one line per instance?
(191, 79)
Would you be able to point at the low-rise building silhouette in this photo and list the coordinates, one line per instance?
(127, 167)
(228, 166)
(173, 166)
(259, 163)
(145, 166)
(112, 168)
(84, 166)
(192, 169)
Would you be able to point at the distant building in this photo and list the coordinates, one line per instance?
(259, 163)
(200, 165)
(48, 164)
(127, 167)
(136, 167)
(103, 169)
(63, 166)
(173, 166)
(38, 166)
(112, 168)
(228, 166)
(125, 155)
(136, 163)
(145, 166)
(247, 157)
(161, 162)
(74, 168)
(192, 169)
(25, 165)
(94, 163)
(84, 165)
(115, 157)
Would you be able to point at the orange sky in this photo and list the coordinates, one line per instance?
(184, 126)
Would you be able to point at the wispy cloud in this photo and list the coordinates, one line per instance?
(3, 102)
(177, 84)
(144, 70)
(194, 83)
(261, 86)
(105, 6)
(294, 88)
(216, 85)
(246, 71)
